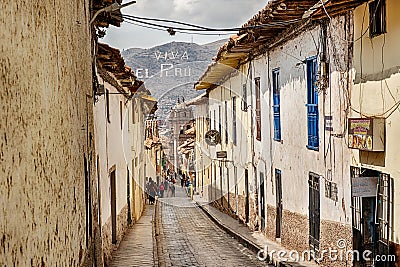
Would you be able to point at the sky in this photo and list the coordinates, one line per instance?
(208, 13)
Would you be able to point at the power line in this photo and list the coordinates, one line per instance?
(183, 32)
(362, 35)
(170, 21)
(197, 28)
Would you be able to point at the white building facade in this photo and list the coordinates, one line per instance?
(375, 107)
(281, 106)
(119, 120)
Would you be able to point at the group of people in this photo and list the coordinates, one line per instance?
(165, 188)
(185, 182)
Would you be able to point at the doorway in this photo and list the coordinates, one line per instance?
(247, 200)
(113, 208)
(128, 196)
(228, 189)
(314, 212)
(279, 206)
(371, 212)
(220, 185)
(262, 201)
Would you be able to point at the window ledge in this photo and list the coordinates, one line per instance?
(312, 148)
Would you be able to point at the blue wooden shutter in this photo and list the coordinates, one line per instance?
(276, 105)
(312, 104)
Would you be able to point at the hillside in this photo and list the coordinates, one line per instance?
(170, 70)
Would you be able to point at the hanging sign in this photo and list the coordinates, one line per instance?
(364, 186)
(213, 137)
(221, 154)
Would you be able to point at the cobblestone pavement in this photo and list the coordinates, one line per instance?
(189, 238)
(136, 249)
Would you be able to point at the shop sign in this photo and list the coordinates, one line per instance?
(364, 186)
(221, 154)
(361, 134)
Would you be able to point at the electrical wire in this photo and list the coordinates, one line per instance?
(366, 30)
(168, 26)
(162, 29)
(149, 22)
(166, 20)
(389, 111)
(197, 28)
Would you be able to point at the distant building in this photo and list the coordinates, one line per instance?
(179, 121)
(202, 159)
(154, 148)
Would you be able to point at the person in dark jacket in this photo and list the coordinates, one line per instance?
(152, 191)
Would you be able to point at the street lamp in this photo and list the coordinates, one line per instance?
(110, 8)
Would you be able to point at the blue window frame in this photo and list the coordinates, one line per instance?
(276, 94)
(312, 104)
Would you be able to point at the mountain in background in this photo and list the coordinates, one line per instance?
(170, 70)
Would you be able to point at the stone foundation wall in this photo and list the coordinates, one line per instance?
(240, 214)
(270, 227)
(254, 219)
(106, 236)
(241, 208)
(295, 231)
(232, 202)
(333, 233)
(122, 226)
(138, 203)
(295, 234)
(223, 205)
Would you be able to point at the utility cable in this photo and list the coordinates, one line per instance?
(390, 111)
(366, 30)
(162, 29)
(169, 21)
(204, 29)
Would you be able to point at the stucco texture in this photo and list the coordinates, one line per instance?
(45, 74)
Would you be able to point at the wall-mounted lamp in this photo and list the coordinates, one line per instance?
(110, 8)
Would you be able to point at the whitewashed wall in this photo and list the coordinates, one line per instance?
(291, 155)
(110, 149)
(120, 148)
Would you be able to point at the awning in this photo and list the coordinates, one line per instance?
(198, 100)
(148, 98)
(191, 131)
(186, 144)
(109, 59)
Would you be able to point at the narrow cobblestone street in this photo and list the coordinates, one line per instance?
(189, 238)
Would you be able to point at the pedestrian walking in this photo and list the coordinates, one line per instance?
(146, 191)
(162, 189)
(172, 187)
(152, 191)
(166, 187)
